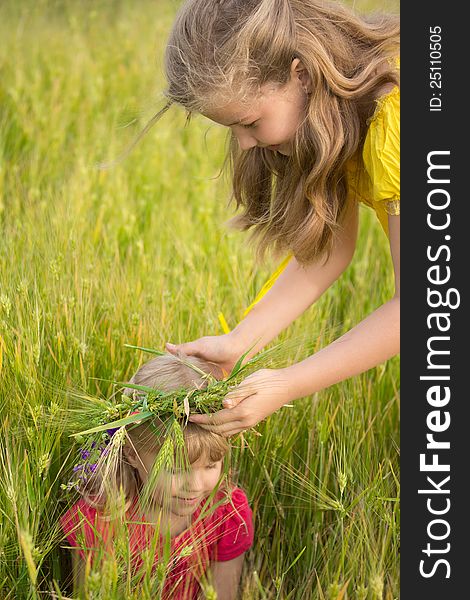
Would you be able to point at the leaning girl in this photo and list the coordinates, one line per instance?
(182, 521)
(309, 93)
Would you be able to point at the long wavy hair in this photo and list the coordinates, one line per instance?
(224, 50)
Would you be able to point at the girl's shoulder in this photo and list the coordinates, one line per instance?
(83, 527)
(235, 499)
(232, 525)
(381, 150)
(387, 102)
(83, 516)
(387, 109)
(79, 512)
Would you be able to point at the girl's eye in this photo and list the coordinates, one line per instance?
(211, 466)
(248, 125)
(179, 471)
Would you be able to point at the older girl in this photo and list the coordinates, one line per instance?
(309, 92)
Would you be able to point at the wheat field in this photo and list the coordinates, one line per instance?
(93, 259)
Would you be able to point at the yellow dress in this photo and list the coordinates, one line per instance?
(376, 182)
(374, 179)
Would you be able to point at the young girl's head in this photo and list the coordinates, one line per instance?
(189, 475)
(295, 81)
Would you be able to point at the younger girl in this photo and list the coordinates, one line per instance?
(309, 92)
(201, 527)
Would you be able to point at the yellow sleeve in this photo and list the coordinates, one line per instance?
(381, 153)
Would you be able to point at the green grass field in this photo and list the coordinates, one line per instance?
(91, 260)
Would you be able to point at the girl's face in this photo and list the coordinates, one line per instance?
(183, 491)
(189, 488)
(270, 120)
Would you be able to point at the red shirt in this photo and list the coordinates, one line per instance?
(222, 535)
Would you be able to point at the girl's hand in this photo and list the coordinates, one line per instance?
(220, 350)
(257, 397)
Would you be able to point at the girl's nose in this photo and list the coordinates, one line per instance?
(194, 483)
(246, 140)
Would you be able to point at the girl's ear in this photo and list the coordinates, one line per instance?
(298, 71)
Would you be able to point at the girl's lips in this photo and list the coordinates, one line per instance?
(190, 501)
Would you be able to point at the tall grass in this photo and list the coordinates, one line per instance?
(91, 260)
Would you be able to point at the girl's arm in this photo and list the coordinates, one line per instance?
(371, 342)
(297, 288)
(226, 577)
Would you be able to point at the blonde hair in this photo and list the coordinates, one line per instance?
(166, 373)
(221, 50)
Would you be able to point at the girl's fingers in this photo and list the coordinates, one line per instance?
(200, 419)
(219, 418)
(171, 348)
(230, 402)
(221, 422)
(233, 399)
(225, 430)
(189, 349)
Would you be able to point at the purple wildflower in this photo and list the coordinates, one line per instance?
(85, 468)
